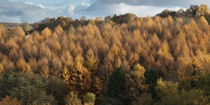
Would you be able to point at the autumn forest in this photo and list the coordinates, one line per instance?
(117, 60)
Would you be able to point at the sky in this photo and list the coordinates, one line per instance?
(36, 10)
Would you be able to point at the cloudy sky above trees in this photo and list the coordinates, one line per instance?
(36, 10)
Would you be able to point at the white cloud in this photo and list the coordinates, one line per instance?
(30, 11)
(123, 8)
(76, 12)
(34, 4)
(70, 10)
(99, 9)
(139, 7)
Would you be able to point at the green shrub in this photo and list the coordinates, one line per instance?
(32, 89)
(89, 98)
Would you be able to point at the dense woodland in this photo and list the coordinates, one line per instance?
(119, 60)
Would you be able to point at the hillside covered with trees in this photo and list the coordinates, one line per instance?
(119, 60)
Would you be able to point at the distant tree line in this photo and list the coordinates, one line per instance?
(194, 11)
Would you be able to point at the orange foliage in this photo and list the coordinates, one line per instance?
(8, 101)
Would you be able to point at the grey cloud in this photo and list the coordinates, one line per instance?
(20, 12)
(12, 13)
(97, 9)
(160, 3)
(139, 7)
